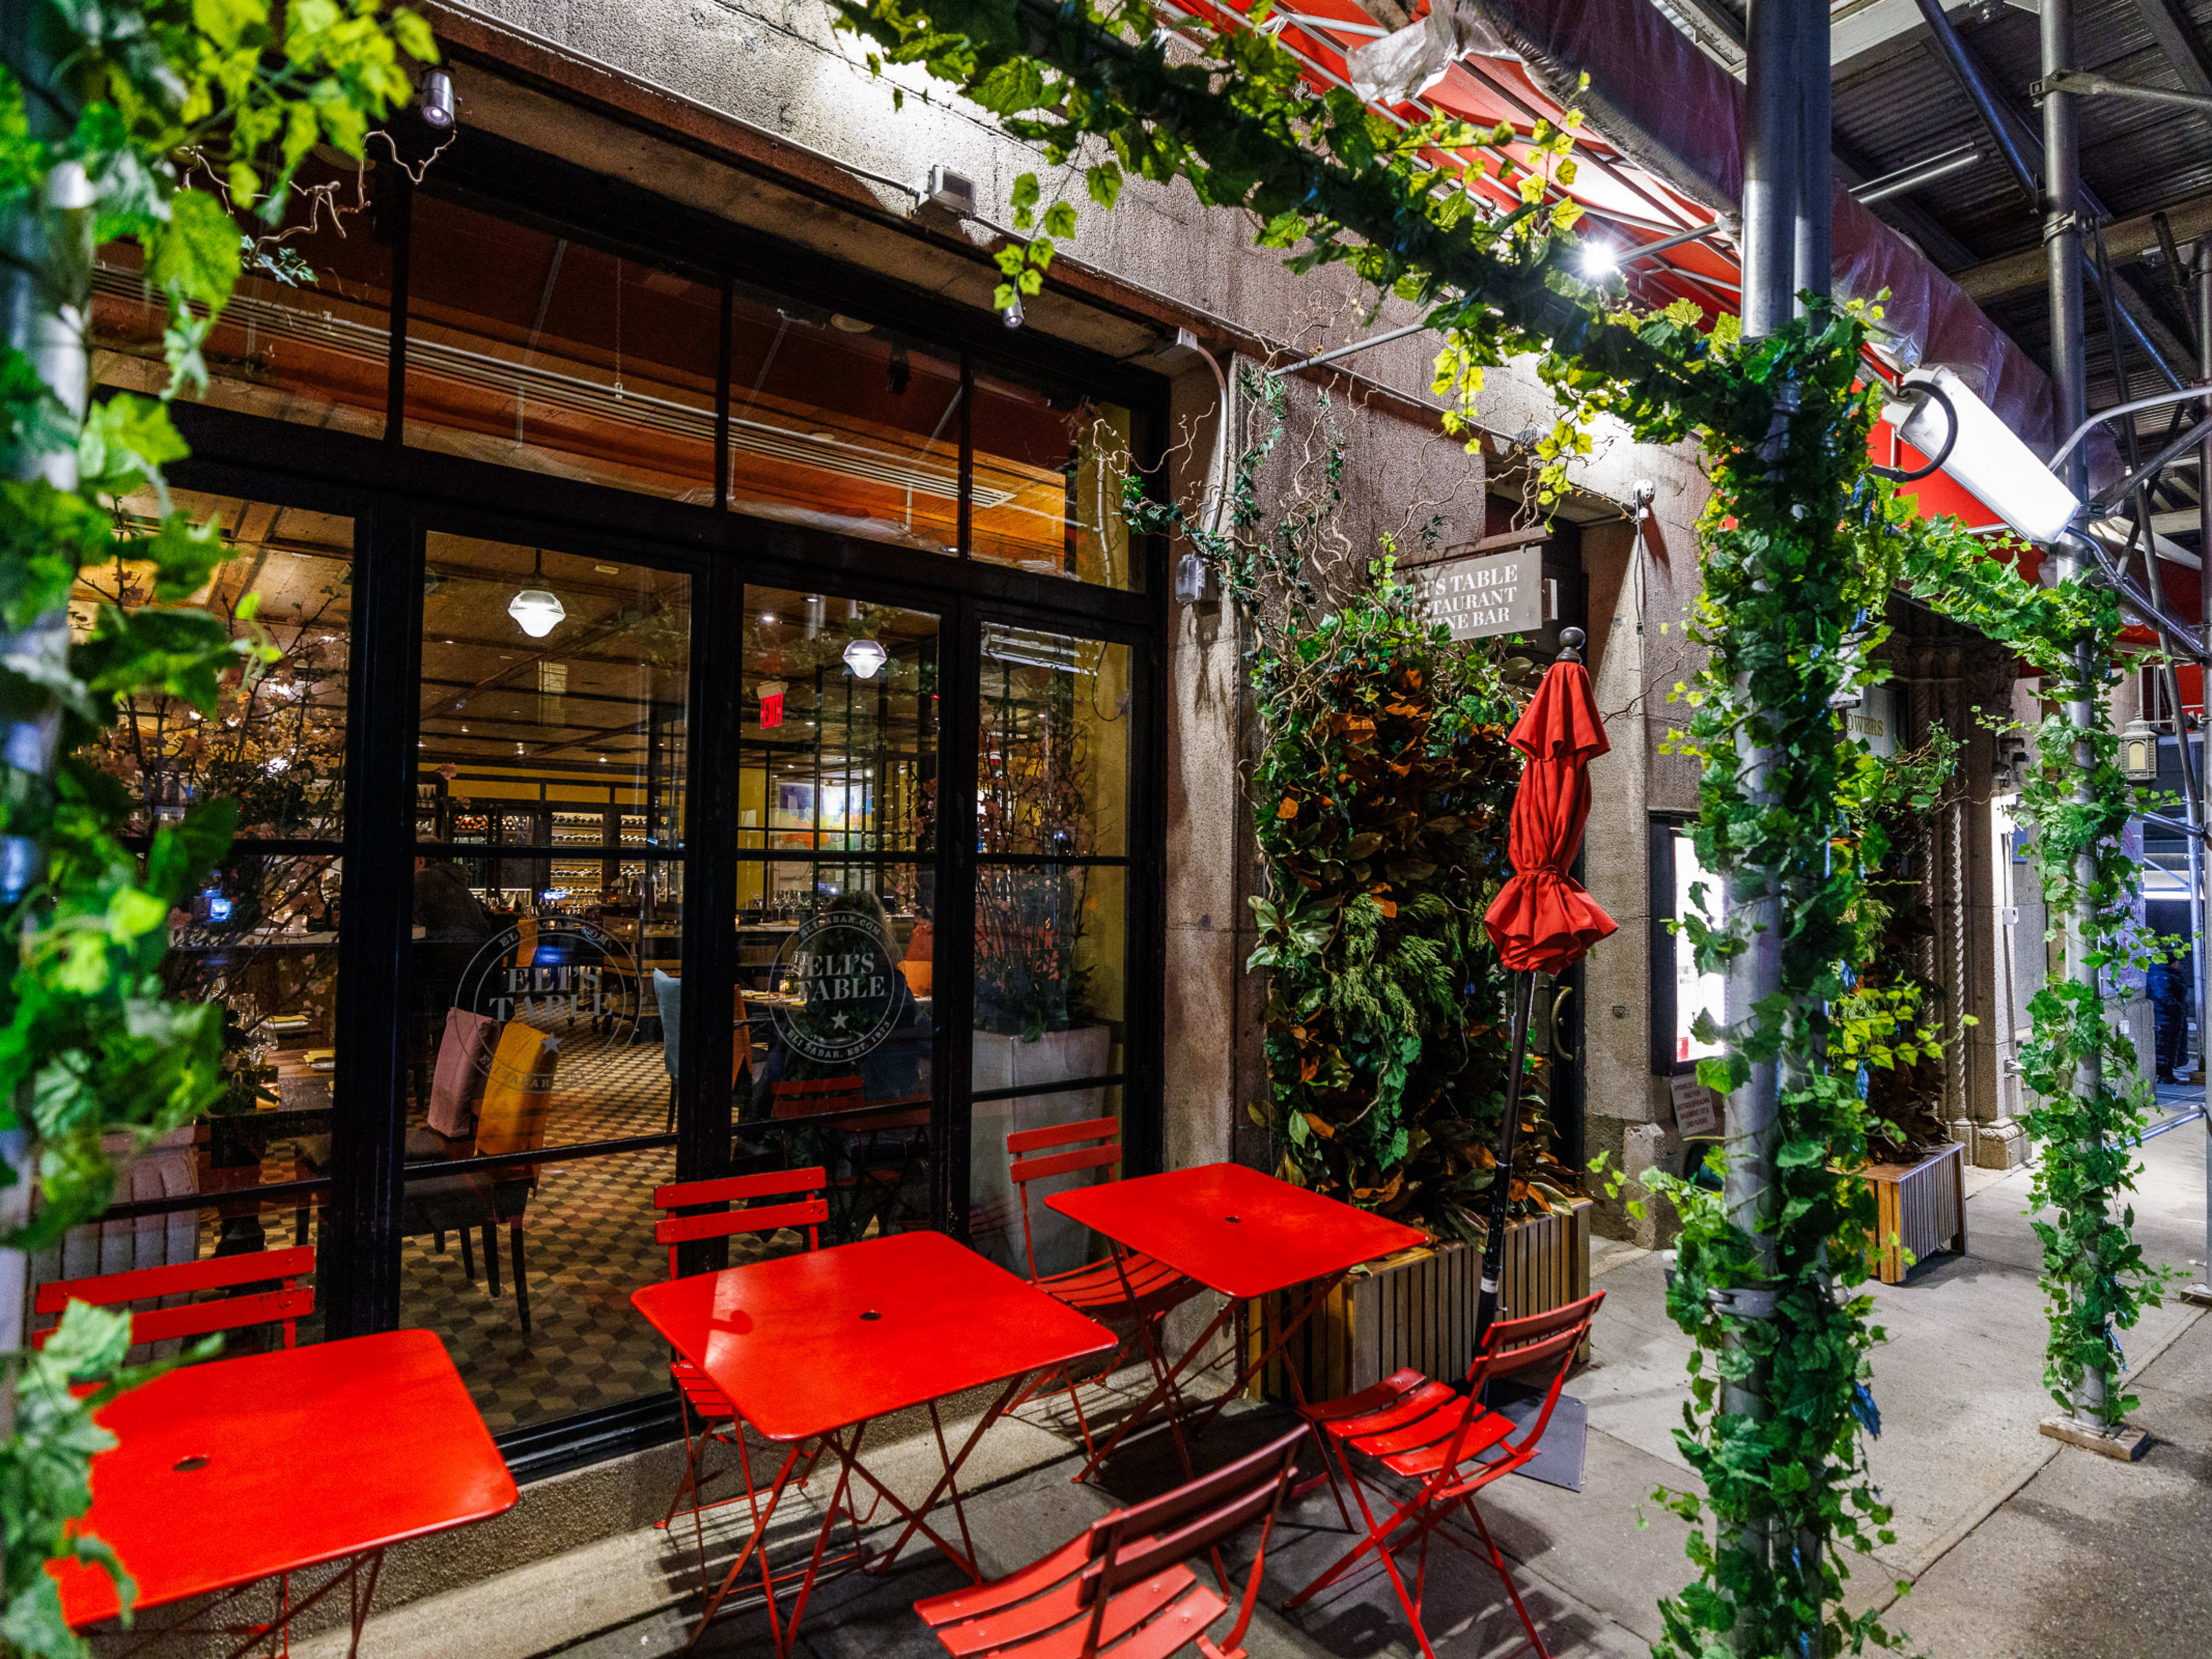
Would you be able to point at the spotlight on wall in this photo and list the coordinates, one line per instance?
(537, 610)
(1959, 433)
(865, 657)
(2139, 750)
(435, 102)
(1011, 316)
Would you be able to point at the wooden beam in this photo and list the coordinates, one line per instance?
(2129, 238)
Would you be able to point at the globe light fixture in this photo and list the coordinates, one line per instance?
(865, 657)
(537, 610)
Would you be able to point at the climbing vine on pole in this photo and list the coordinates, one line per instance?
(1800, 547)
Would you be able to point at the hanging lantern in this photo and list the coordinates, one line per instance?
(537, 610)
(2139, 751)
(865, 657)
(771, 704)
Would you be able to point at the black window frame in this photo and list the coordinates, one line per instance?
(397, 496)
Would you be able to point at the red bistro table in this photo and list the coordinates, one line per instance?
(235, 1470)
(1238, 1232)
(816, 1346)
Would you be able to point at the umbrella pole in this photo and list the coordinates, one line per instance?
(1501, 1185)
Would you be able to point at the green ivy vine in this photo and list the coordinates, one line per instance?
(104, 107)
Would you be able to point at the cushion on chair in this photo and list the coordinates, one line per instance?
(668, 997)
(464, 1051)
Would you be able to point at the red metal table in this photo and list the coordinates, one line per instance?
(1241, 1233)
(236, 1471)
(814, 1347)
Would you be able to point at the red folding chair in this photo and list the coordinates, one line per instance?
(1124, 1584)
(798, 1202)
(1450, 1445)
(287, 1305)
(1130, 1297)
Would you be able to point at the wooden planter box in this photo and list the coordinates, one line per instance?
(1922, 1209)
(1417, 1310)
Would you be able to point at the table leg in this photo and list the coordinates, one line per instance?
(948, 1482)
(762, 1517)
(1320, 1293)
(1164, 1392)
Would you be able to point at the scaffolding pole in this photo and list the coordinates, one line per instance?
(2201, 808)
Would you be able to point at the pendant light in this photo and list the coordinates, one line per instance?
(537, 610)
(865, 657)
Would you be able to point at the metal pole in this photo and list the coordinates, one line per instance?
(1773, 160)
(1814, 238)
(2063, 245)
(2201, 1291)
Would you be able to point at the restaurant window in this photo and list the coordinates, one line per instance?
(1049, 465)
(837, 950)
(307, 335)
(1052, 909)
(533, 349)
(1680, 991)
(843, 424)
(260, 938)
(546, 967)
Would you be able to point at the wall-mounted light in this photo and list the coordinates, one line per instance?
(1194, 581)
(1011, 316)
(1963, 435)
(435, 103)
(2139, 750)
(537, 610)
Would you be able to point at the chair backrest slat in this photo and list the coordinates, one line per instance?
(1514, 1346)
(1062, 1134)
(217, 1272)
(759, 1219)
(287, 1305)
(1053, 1163)
(817, 1096)
(805, 1204)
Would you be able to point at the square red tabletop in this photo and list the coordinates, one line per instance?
(804, 1344)
(234, 1470)
(1235, 1229)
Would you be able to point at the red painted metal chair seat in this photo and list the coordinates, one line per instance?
(1152, 1289)
(1450, 1445)
(1123, 1586)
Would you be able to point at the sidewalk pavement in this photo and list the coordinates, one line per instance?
(2013, 1546)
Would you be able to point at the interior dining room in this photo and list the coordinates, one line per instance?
(625, 638)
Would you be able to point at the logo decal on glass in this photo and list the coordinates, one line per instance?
(561, 975)
(844, 989)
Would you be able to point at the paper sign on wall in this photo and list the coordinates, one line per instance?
(1697, 1109)
(1502, 593)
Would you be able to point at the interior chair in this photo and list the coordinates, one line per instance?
(1123, 1586)
(725, 1208)
(517, 1099)
(1446, 1445)
(668, 997)
(1130, 1297)
(285, 1305)
(882, 1147)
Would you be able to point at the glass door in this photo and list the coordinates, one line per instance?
(837, 950)
(549, 798)
(1052, 726)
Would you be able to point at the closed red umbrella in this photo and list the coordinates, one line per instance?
(1543, 920)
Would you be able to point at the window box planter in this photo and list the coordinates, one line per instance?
(1922, 1209)
(1417, 1310)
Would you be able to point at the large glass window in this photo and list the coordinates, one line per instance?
(1051, 912)
(307, 335)
(843, 424)
(1050, 466)
(533, 349)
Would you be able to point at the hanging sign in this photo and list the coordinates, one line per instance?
(1499, 593)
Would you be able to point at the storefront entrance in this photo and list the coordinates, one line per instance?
(707, 730)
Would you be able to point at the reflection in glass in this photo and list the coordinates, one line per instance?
(1051, 753)
(566, 1240)
(534, 349)
(306, 334)
(276, 743)
(841, 424)
(1048, 471)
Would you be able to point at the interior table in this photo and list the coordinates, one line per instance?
(234, 1472)
(1242, 1234)
(812, 1347)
